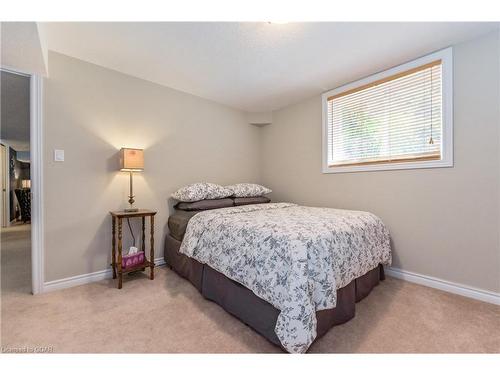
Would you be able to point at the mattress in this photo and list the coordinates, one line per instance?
(178, 221)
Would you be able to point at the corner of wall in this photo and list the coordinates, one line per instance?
(42, 37)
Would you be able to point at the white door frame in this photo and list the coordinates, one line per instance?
(36, 169)
(36, 173)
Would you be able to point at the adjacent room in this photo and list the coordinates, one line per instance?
(16, 183)
(250, 187)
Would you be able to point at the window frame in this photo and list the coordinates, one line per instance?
(446, 57)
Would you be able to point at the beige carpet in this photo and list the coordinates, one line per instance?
(168, 315)
(15, 248)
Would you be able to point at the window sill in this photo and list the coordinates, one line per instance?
(388, 167)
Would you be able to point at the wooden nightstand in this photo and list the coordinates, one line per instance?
(118, 216)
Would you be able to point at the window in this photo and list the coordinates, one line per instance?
(397, 119)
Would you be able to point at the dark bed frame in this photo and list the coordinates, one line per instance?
(254, 311)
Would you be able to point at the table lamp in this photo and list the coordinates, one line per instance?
(131, 160)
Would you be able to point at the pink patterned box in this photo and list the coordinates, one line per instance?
(129, 261)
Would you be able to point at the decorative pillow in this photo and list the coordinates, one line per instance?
(207, 204)
(200, 191)
(250, 200)
(248, 190)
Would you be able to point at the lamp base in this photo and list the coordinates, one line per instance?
(131, 209)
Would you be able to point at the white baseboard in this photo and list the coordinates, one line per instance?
(159, 262)
(447, 286)
(432, 282)
(87, 278)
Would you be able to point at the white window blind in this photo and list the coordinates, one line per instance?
(392, 120)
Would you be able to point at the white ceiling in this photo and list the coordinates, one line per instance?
(255, 67)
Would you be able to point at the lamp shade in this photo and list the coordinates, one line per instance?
(131, 159)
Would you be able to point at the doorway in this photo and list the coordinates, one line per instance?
(15, 116)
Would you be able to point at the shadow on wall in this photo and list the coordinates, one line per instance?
(395, 256)
(113, 162)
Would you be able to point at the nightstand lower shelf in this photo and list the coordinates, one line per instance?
(137, 267)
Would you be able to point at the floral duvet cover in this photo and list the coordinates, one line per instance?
(292, 256)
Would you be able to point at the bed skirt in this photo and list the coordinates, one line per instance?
(254, 311)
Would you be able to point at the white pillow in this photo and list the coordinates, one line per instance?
(248, 190)
(201, 190)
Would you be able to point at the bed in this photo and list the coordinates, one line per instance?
(290, 272)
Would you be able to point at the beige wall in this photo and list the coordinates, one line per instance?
(22, 47)
(91, 112)
(444, 222)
